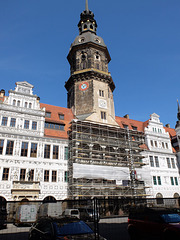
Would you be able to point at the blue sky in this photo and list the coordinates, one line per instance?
(142, 36)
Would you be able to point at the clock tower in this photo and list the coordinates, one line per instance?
(90, 86)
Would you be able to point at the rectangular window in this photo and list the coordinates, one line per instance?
(151, 161)
(172, 180)
(33, 150)
(13, 122)
(54, 126)
(134, 128)
(173, 163)
(54, 176)
(65, 153)
(46, 176)
(31, 175)
(26, 124)
(9, 147)
(66, 176)
(166, 145)
(159, 180)
(168, 163)
(5, 174)
(47, 151)
(163, 145)
(34, 125)
(154, 180)
(23, 175)
(55, 152)
(155, 142)
(125, 126)
(24, 149)
(61, 116)
(61, 127)
(176, 180)
(103, 115)
(1, 146)
(157, 161)
(48, 114)
(101, 93)
(152, 143)
(4, 121)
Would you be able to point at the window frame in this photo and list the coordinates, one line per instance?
(5, 175)
(24, 149)
(4, 121)
(46, 175)
(33, 150)
(22, 176)
(55, 152)
(34, 125)
(13, 122)
(47, 151)
(10, 148)
(26, 124)
(54, 176)
(1, 146)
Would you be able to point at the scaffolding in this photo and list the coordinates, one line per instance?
(98, 151)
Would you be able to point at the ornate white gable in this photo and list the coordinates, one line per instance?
(24, 87)
(155, 117)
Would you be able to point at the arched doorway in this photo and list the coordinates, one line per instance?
(49, 199)
(177, 199)
(159, 198)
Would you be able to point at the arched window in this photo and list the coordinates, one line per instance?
(91, 26)
(30, 105)
(18, 103)
(85, 26)
(14, 102)
(25, 104)
(83, 61)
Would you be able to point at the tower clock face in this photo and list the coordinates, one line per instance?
(83, 86)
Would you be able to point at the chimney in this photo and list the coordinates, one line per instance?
(2, 93)
(167, 125)
(126, 116)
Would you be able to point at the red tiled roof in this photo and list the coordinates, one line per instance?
(130, 122)
(55, 111)
(171, 131)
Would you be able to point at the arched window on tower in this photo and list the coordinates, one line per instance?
(97, 60)
(85, 26)
(83, 61)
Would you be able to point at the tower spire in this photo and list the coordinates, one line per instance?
(87, 8)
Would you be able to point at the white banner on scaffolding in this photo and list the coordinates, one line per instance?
(103, 172)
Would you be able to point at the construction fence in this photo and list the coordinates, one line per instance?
(107, 217)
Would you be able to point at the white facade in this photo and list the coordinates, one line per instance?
(161, 161)
(32, 166)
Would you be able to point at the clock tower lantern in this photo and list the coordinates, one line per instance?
(90, 86)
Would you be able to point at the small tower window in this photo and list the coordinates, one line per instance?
(85, 26)
(103, 115)
(91, 26)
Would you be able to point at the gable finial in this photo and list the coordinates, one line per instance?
(87, 8)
